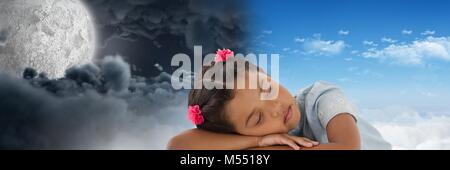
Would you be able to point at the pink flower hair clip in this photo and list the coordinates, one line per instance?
(195, 115)
(223, 55)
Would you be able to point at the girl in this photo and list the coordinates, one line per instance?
(239, 119)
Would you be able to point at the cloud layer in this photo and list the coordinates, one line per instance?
(93, 107)
(406, 128)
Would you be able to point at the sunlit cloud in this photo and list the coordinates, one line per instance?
(413, 53)
(369, 43)
(318, 46)
(267, 32)
(428, 32)
(388, 40)
(299, 40)
(407, 32)
(343, 32)
(406, 128)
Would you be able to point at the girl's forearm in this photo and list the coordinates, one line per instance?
(326, 146)
(281, 147)
(196, 139)
(333, 146)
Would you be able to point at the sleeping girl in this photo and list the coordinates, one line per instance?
(319, 117)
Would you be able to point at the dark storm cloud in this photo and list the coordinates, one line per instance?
(152, 31)
(93, 107)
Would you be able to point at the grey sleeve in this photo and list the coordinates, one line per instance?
(331, 103)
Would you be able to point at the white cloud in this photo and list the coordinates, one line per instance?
(413, 53)
(262, 35)
(267, 44)
(427, 93)
(299, 40)
(428, 133)
(286, 49)
(159, 67)
(347, 80)
(353, 68)
(343, 32)
(407, 32)
(268, 32)
(388, 40)
(428, 32)
(406, 128)
(369, 43)
(364, 72)
(323, 47)
(368, 72)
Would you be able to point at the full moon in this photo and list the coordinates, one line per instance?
(48, 35)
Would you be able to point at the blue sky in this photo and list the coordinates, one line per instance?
(381, 53)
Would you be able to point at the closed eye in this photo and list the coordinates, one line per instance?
(255, 119)
(259, 119)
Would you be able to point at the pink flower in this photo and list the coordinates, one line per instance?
(223, 55)
(195, 115)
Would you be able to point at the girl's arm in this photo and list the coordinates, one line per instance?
(196, 139)
(342, 134)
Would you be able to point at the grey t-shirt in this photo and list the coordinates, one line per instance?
(319, 103)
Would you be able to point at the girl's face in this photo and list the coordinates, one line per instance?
(255, 117)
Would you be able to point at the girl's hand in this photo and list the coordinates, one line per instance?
(284, 139)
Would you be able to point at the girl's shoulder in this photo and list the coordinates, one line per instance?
(314, 90)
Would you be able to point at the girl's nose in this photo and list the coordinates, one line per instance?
(276, 109)
(276, 113)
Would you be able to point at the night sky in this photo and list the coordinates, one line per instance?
(147, 32)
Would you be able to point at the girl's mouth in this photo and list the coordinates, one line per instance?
(288, 115)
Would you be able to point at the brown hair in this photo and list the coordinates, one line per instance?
(212, 101)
